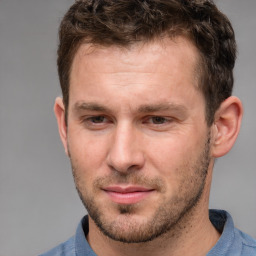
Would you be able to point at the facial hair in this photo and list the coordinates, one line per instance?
(166, 216)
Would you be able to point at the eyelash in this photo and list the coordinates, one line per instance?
(92, 120)
(95, 117)
(163, 120)
(153, 121)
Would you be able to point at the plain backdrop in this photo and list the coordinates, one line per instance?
(39, 206)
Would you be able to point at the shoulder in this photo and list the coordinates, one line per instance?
(76, 245)
(248, 243)
(65, 249)
(232, 242)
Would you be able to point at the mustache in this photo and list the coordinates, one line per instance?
(132, 178)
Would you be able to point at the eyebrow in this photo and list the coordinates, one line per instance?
(162, 107)
(147, 108)
(91, 106)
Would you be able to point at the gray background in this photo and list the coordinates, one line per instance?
(39, 206)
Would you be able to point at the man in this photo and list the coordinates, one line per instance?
(146, 110)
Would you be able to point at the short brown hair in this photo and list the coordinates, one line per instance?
(125, 22)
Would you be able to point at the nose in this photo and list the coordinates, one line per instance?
(126, 150)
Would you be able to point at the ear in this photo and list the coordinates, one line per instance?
(59, 111)
(226, 126)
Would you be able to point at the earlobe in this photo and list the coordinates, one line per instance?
(226, 126)
(59, 111)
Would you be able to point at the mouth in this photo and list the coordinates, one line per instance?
(128, 194)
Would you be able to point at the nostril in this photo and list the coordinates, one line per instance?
(133, 168)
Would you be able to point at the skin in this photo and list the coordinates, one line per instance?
(136, 121)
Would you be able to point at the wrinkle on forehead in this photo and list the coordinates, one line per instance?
(146, 53)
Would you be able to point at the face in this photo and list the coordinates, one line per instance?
(137, 136)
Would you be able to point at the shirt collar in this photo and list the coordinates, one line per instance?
(226, 244)
(221, 220)
(81, 244)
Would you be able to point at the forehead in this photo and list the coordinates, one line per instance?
(154, 72)
(138, 57)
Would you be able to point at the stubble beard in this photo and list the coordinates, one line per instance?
(170, 214)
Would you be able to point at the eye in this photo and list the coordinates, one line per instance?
(96, 122)
(158, 123)
(97, 119)
(158, 120)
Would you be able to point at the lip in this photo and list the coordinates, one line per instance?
(128, 194)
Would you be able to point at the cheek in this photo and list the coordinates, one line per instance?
(174, 161)
(87, 152)
(84, 160)
(169, 153)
